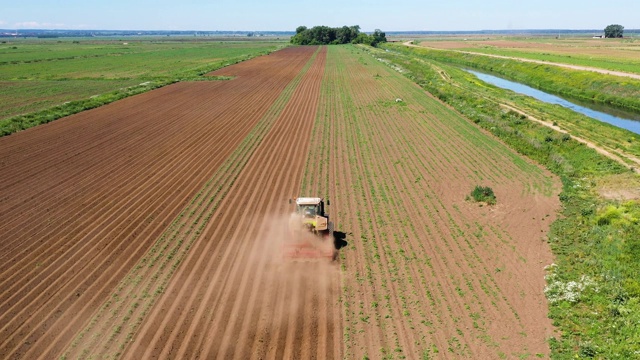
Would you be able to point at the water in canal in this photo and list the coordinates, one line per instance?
(620, 118)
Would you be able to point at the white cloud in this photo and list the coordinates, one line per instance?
(37, 25)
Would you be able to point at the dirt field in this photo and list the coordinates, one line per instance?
(545, 44)
(150, 228)
(427, 273)
(608, 48)
(83, 199)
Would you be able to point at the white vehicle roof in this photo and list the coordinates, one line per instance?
(308, 201)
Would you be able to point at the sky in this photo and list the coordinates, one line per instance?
(286, 15)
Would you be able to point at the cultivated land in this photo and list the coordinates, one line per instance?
(592, 288)
(425, 272)
(150, 227)
(611, 54)
(38, 74)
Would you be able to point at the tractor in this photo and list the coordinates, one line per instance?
(310, 231)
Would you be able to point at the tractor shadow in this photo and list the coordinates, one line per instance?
(339, 240)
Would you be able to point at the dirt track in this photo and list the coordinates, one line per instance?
(567, 66)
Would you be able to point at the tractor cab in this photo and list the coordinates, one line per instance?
(309, 207)
(309, 212)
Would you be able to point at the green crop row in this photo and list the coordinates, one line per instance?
(593, 289)
(392, 292)
(58, 72)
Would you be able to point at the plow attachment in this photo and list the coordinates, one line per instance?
(310, 249)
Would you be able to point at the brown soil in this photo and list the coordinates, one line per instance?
(84, 198)
(234, 297)
(427, 272)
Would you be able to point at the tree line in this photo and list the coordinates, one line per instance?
(324, 35)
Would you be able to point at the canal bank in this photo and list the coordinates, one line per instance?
(616, 117)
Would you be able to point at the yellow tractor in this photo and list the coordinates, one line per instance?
(311, 232)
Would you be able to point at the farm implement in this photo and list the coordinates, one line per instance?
(310, 231)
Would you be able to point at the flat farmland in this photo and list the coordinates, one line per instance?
(36, 75)
(103, 59)
(101, 187)
(22, 97)
(151, 227)
(610, 54)
(425, 272)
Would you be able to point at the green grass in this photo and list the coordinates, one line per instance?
(611, 54)
(21, 97)
(582, 85)
(483, 194)
(630, 65)
(107, 59)
(593, 288)
(602, 134)
(43, 80)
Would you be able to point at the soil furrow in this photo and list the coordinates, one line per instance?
(60, 150)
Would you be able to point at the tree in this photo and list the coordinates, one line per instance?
(363, 38)
(343, 35)
(324, 35)
(614, 31)
(378, 37)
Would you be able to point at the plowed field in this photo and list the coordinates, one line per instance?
(427, 273)
(150, 227)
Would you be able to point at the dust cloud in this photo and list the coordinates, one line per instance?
(296, 286)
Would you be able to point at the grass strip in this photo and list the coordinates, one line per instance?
(582, 85)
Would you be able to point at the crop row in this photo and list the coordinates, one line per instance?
(592, 290)
(115, 324)
(403, 293)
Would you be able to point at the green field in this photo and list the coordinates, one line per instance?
(20, 97)
(36, 75)
(586, 86)
(138, 59)
(611, 54)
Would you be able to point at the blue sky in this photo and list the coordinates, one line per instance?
(387, 15)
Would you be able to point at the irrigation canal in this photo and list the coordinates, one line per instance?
(613, 116)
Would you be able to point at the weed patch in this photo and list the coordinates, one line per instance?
(483, 194)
